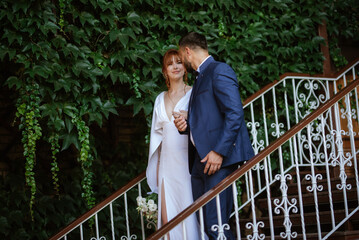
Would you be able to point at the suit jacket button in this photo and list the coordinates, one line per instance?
(234, 144)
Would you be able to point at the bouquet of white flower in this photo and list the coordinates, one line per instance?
(148, 207)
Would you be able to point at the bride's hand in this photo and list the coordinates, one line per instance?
(182, 113)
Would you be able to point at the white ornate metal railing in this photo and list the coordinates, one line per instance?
(327, 147)
(319, 147)
(290, 189)
(114, 218)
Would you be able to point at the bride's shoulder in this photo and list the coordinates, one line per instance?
(159, 97)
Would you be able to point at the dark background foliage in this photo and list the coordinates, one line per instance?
(88, 72)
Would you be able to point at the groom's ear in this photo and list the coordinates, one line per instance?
(188, 51)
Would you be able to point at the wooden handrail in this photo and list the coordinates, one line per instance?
(288, 74)
(99, 206)
(251, 163)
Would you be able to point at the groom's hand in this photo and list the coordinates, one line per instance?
(214, 162)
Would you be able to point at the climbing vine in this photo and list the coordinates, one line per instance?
(55, 148)
(86, 160)
(29, 114)
(336, 55)
(62, 11)
(135, 84)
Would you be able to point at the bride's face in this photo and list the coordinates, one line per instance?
(175, 68)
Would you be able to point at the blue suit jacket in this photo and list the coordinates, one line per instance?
(216, 117)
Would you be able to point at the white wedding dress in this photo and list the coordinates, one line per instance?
(171, 149)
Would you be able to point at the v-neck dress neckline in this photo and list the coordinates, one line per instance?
(174, 109)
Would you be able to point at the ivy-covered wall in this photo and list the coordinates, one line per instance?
(72, 66)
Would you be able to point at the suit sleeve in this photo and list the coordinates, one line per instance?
(225, 87)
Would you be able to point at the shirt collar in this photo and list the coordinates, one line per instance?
(198, 69)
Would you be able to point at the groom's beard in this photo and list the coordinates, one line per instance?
(188, 66)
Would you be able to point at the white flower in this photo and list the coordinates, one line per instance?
(144, 208)
(140, 201)
(153, 207)
(151, 202)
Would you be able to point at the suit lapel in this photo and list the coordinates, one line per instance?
(198, 82)
(193, 93)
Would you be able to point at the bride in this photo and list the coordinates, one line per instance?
(167, 171)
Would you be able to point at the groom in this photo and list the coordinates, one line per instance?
(218, 137)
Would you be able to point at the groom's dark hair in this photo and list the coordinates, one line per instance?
(193, 40)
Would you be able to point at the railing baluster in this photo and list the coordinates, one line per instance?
(345, 80)
(328, 173)
(81, 232)
(266, 137)
(255, 226)
(97, 227)
(269, 200)
(351, 132)
(112, 223)
(288, 121)
(296, 110)
(184, 230)
(283, 185)
(353, 73)
(356, 102)
(340, 159)
(247, 187)
(201, 223)
(141, 214)
(335, 87)
(220, 227)
(331, 116)
(356, 162)
(299, 185)
(257, 146)
(235, 201)
(314, 188)
(126, 215)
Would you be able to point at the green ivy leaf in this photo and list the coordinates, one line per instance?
(69, 139)
(133, 17)
(69, 124)
(13, 80)
(59, 124)
(50, 26)
(70, 110)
